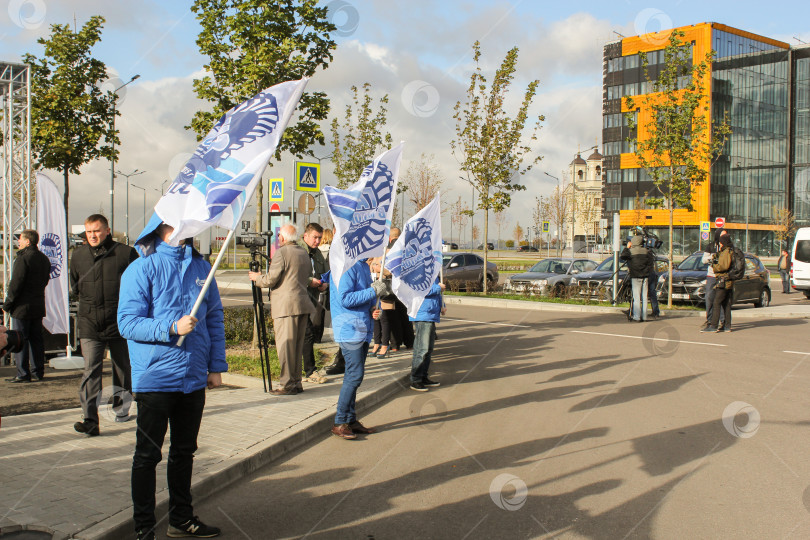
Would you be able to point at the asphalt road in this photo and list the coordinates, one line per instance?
(557, 425)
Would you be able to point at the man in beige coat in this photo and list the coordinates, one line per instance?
(290, 306)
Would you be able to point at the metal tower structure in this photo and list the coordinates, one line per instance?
(15, 158)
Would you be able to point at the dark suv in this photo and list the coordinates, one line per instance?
(689, 283)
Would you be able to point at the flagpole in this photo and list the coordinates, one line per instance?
(207, 284)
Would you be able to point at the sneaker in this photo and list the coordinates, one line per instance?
(88, 429)
(145, 534)
(708, 328)
(419, 387)
(193, 528)
(16, 380)
(316, 378)
(704, 325)
(125, 418)
(428, 382)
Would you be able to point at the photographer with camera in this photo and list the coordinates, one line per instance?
(640, 264)
(723, 264)
(290, 305)
(25, 302)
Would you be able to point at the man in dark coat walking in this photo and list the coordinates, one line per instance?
(25, 302)
(95, 276)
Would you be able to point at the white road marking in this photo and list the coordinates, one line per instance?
(795, 352)
(484, 322)
(652, 339)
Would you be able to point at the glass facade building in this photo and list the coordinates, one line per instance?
(765, 165)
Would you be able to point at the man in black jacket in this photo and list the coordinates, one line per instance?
(95, 276)
(25, 302)
(640, 263)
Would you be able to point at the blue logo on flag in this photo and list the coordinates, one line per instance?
(418, 261)
(211, 169)
(369, 217)
(51, 246)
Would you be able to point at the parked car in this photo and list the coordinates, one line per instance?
(549, 275)
(452, 245)
(490, 245)
(465, 269)
(598, 283)
(800, 262)
(527, 248)
(689, 282)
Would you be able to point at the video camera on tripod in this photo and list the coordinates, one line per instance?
(651, 241)
(255, 242)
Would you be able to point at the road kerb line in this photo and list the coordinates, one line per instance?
(651, 339)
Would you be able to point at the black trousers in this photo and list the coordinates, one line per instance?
(181, 414)
(722, 300)
(310, 337)
(401, 327)
(383, 331)
(33, 352)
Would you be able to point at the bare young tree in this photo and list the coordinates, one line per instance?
(423, 178)
(458, 217)
(501, 219)
(588, 215)
(558, 210)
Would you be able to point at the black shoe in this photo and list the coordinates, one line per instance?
(88, 429)
(193, 528)
(37, 378)
(419, 387)
(18, 380)
(145, 535)
(428, 382)
(335, 369)
(708, 328)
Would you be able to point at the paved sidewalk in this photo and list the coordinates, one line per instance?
(58, 481)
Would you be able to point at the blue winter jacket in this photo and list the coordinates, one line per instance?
(156, 291)
(352, 305)
(431, 308)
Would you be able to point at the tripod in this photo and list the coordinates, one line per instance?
(261, 327)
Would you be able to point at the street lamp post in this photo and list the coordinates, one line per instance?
(144, 201)
(112, 159)
(136, 172)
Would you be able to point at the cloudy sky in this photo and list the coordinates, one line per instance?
(418, 52)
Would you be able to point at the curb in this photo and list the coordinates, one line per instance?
(120, 525)
(748, 313)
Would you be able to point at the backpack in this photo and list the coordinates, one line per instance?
(737, 270)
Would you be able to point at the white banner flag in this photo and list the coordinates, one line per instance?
(415, 258)
(217, 183)
(53, 243)
(362, 213)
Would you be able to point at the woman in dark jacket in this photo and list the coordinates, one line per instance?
(724, 287)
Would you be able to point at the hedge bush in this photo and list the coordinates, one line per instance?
(239, 324)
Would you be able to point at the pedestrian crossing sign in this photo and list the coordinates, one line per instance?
(276, 190)
(307, 176)
(545, 226)
(705, 226)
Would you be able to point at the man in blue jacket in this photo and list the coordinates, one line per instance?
(424, 326)
(158, 291)
(353, 307)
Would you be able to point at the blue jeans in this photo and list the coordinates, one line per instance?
(711, 281)
(653, 294)
(639, 298)
(354, 355)
(785, 280)
(424, 338)
(31, 359)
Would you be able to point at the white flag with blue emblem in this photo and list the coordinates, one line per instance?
(415, 259)
(362, 213)
(217, 183)
(53, 243)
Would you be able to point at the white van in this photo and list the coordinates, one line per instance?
(800, 262)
